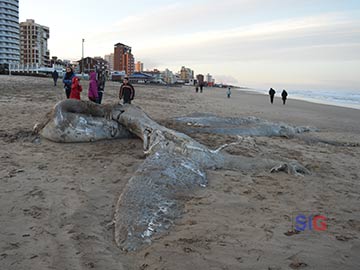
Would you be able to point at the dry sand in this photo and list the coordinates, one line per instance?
(57, 200)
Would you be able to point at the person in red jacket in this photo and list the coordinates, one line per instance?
(127, 91)
(76, 88)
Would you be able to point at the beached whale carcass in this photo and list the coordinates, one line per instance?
(80, 121)
(175, 166)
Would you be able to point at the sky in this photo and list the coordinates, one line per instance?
(293, 44)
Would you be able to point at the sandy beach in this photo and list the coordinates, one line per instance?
(57, 200)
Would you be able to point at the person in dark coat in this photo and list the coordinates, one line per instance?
(55, 76)
(67, 80)
(284, 95)
(101, 85)
(127, 91)
(272, 94)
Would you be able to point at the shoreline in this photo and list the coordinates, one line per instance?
(298, 97)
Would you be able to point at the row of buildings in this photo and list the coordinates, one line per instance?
(26, 44)
(122, 60)
(21, 43)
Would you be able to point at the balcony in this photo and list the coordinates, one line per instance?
(9, 23)
(7, 53)
(9, 15)
(8, 34)
(10, 46)
(10, 4)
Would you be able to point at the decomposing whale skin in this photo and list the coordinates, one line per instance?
(80, 121)
(243, 126)
(173, 171)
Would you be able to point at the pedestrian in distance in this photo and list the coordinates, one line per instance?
(76, 88)
(67, 80)
(228, 92)
(272, 94)
(93, 88)
(55, 76)
(127, 91)
(101, 85)
(284, 95)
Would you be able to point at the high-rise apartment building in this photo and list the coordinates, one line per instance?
(9, 32)
(123, 59)
(110, 59)
(186, 74)
(139, 66)
(33, 43)
(209, 78)
(168, 76)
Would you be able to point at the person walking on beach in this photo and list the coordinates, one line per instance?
(93, 88)
(127, 91)
(55, 76)
(272, 94)
(228, 92)
(67, 80)
(101, 86)
(76, 88)
(284, 95)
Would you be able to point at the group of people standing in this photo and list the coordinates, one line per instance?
(272, 93)
(73, 87)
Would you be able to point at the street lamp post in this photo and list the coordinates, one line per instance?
(82, 60)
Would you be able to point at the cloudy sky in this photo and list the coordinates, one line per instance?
(307, 44)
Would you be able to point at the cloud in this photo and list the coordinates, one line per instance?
(249, 40)
(324, 37)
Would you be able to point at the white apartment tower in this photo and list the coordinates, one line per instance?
(110, 59)
(9, 32)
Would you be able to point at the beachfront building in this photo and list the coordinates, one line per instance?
(156, 74)
(186, 74)
(168, 77)
(140, 77)
(102, 65)
(86, 65)
(9, 32)
(123, 59)
(33, 44)
(139, 66)
(110, 59)
(209, 79)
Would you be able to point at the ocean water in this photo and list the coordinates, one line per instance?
(349, 99)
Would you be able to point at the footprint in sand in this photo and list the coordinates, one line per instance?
(34, 212)
(35, 193)
(297, 265)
